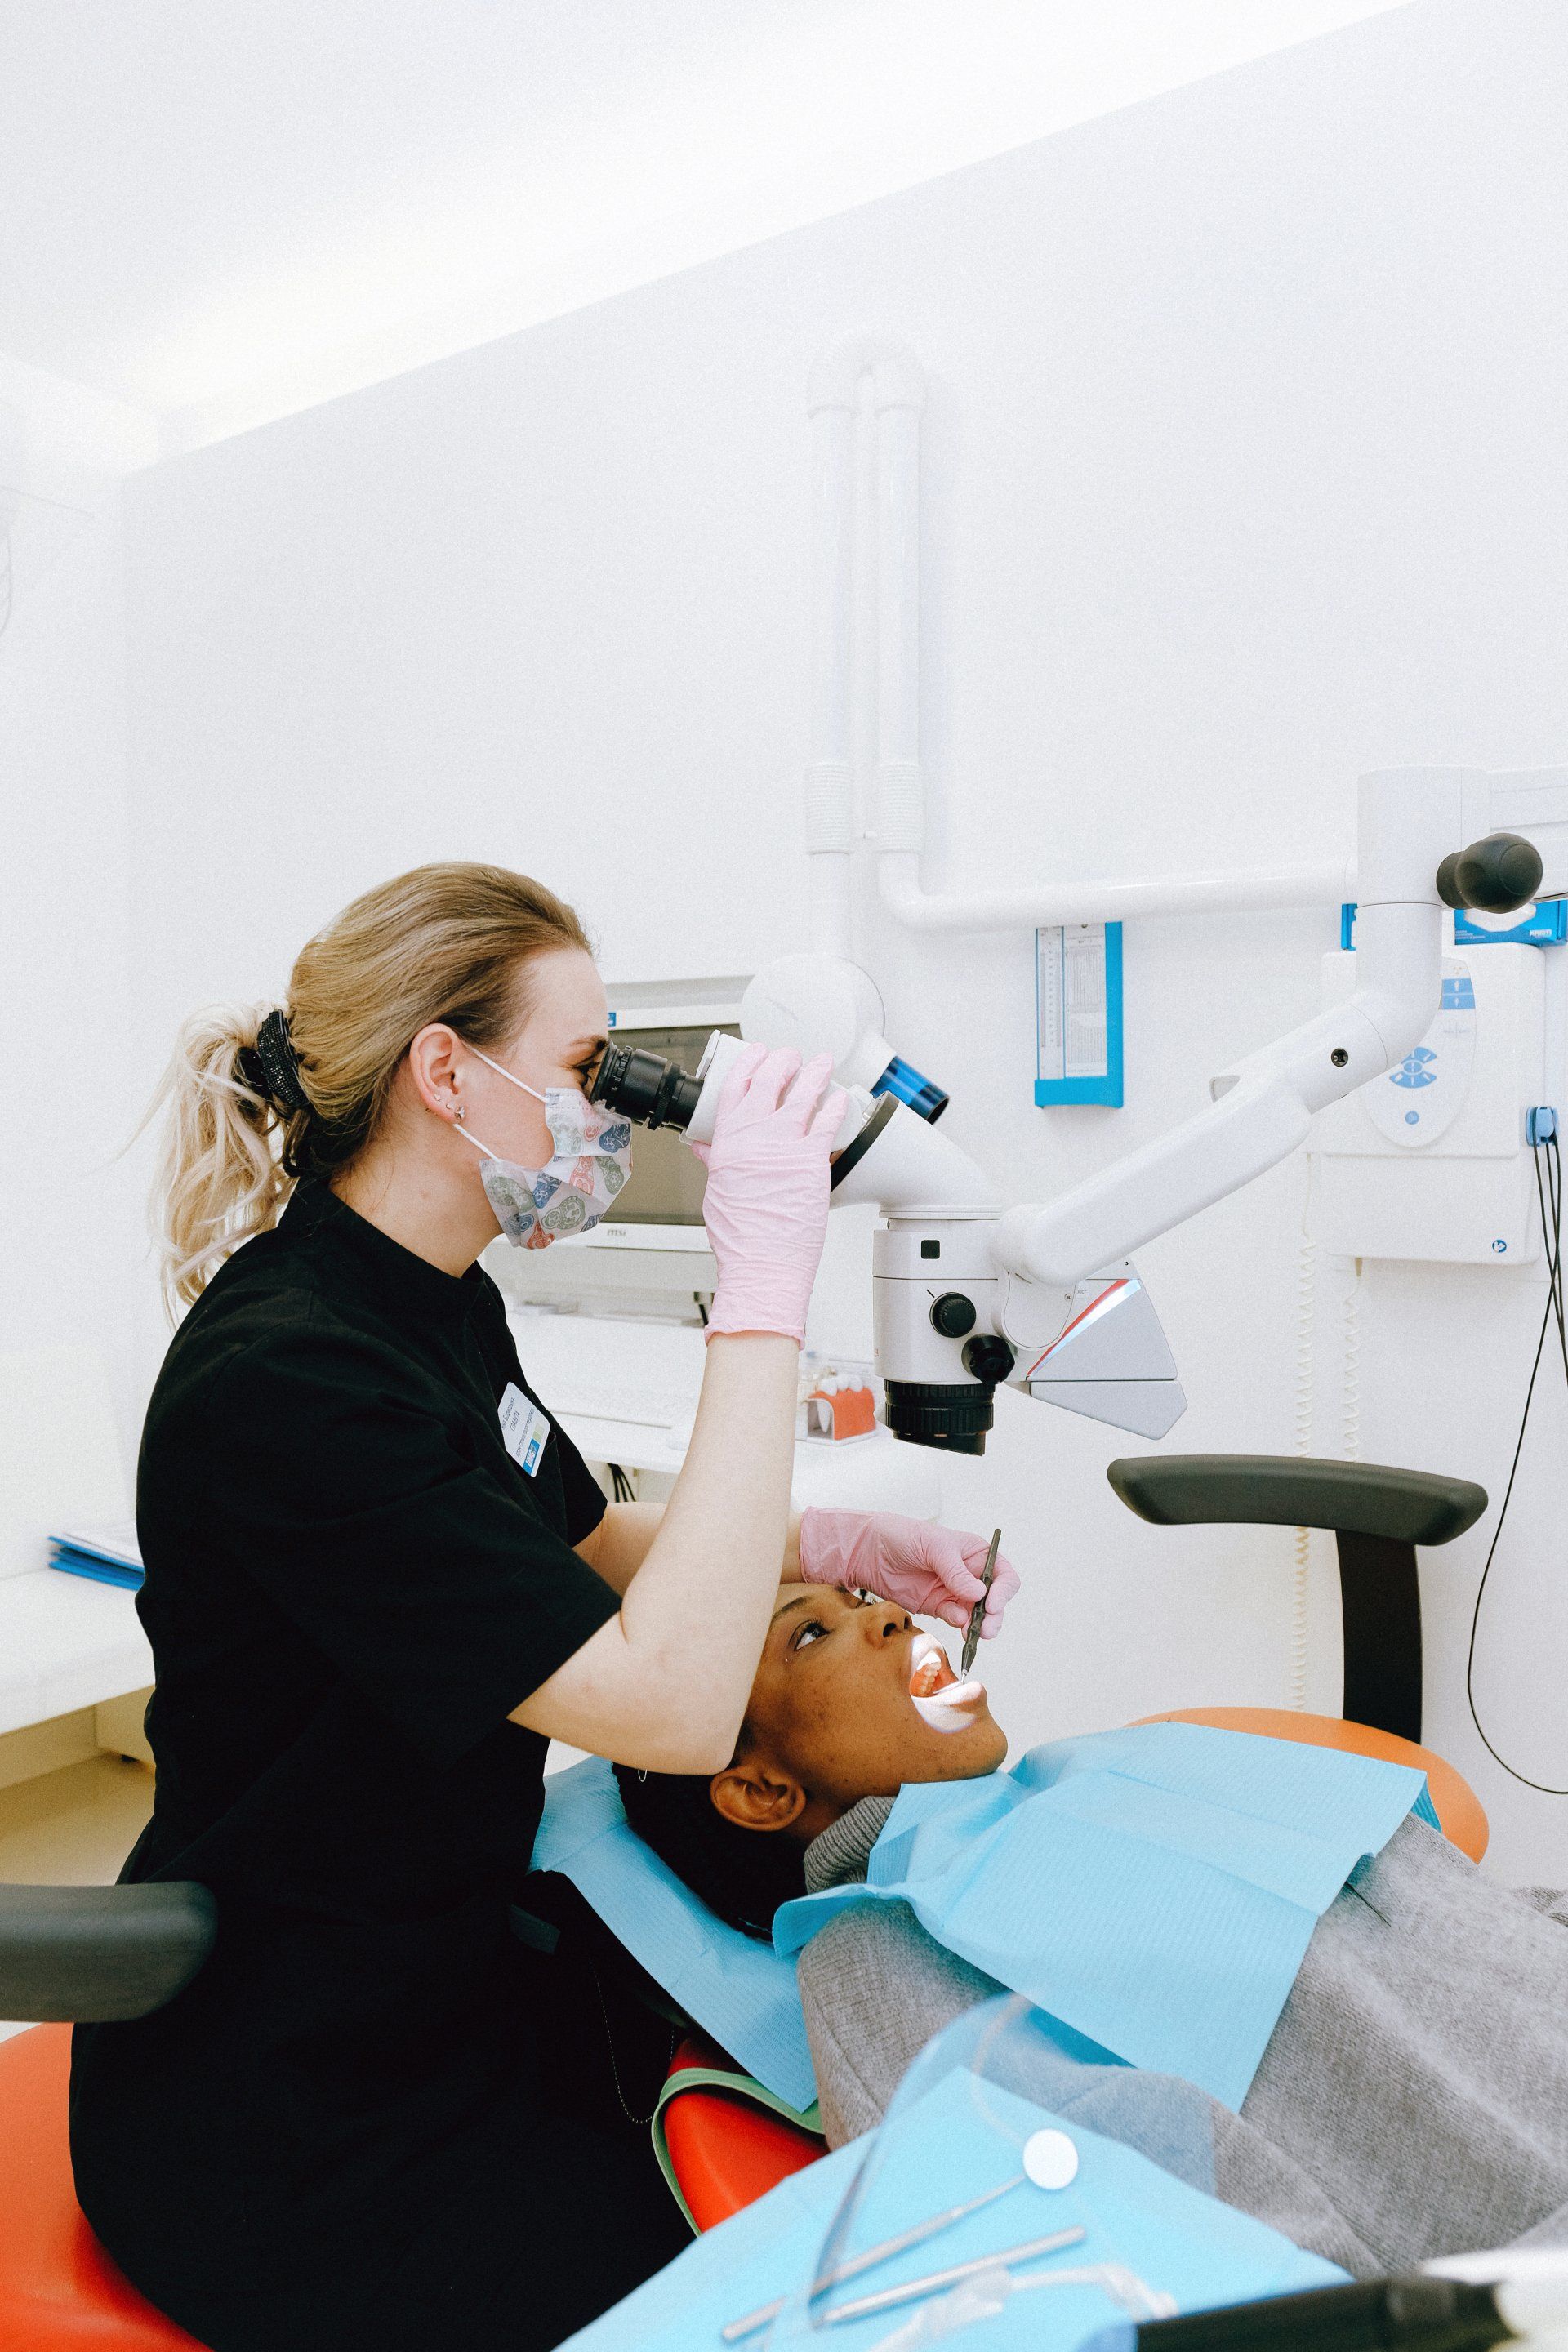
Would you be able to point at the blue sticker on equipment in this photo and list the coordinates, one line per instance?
(1413, 1071)
(1542, 925)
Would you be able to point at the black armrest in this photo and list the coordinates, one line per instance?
(1366, 1498)
(98, 1955)
(1378, 1515)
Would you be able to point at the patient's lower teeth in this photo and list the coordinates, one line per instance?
(942, 1712)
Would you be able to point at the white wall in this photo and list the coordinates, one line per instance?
(70, 1229)
(1246, 467)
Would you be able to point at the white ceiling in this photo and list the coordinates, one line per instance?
(223, 210)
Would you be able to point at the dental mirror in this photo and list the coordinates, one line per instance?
(1050, 2160)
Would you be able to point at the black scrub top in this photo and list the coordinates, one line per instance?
(349, 1583)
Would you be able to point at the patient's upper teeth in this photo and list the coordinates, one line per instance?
(928, 1662)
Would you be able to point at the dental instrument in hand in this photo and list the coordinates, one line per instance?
(977, 1614)
(1049, 2161)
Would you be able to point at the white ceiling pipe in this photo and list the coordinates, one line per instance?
(833, 401)
(899, 397)
(830, 775)
(1328, 883)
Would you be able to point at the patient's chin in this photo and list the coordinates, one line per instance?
(969, 1754)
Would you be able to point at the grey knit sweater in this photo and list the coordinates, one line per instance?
(1413, 2100)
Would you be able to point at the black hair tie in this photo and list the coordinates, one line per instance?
(271, 1067)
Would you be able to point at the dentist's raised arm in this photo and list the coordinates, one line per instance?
(664, 1684)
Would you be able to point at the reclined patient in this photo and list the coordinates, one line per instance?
(1412, 2101)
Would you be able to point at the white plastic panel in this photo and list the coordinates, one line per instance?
(1429, 1162)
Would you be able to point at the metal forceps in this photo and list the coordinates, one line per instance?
(977, 1614)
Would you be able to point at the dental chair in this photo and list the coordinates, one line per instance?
(1378, 1515)
(92, 1954)
(726, 2152)
(95, 1953)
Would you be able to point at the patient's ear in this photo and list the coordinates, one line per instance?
(756, 1795)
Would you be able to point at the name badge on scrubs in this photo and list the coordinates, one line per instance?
(525, 1430)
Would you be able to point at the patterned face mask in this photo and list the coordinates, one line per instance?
(591, 1163)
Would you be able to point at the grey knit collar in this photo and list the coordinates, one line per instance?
(839, 1854)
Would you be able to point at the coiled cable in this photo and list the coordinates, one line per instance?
(1306, 1311)
(1549, 1194)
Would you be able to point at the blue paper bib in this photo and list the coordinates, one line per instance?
(738, 1990)
(1155, 1889)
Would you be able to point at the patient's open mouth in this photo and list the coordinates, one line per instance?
(938, 1697)
(929, 1669)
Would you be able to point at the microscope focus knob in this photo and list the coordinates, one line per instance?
(953, 1315)
(987, 1359)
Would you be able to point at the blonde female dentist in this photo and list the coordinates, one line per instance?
(379, 1581)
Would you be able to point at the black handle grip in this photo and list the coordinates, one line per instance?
(1425, 2315)
(1496, 874)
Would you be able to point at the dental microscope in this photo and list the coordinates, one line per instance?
(972, 1295)
(954, 1321)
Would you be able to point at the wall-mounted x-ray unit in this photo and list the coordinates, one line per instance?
(1431, 1161)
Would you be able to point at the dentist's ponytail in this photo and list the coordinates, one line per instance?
(257, 1095)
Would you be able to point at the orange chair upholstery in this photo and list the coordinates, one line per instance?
(58, 2290)
(1456, 1803)
(726, 2151)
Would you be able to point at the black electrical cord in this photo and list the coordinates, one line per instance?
(1549, 1194)
(621, 1488)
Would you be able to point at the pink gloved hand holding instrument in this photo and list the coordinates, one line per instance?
(929, 1571)
(766, 1213)
(766, 1207)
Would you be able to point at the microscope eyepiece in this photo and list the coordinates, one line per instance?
(645, 1088)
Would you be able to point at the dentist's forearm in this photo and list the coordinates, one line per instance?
(664, 1685)
(620, 1543)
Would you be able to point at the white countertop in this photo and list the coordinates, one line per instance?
(65, 1643)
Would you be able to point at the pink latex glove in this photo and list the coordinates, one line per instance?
(931, 1571)
(767, 1203)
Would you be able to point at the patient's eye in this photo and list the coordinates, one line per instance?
(812, 1629)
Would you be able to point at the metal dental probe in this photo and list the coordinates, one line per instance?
(977, 1614)
(1042, 2166)
(890, 2298)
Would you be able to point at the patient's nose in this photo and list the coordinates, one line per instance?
(886, 1622)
